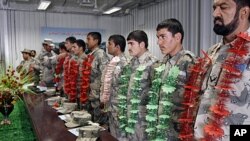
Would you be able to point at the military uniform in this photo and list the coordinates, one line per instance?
(239, 99)
(147, 60)
(100, 61)
(47, 68)
(112, 103)
(25, 66)
(183, 59)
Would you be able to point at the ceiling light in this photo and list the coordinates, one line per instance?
(43, 5)
(112, 10)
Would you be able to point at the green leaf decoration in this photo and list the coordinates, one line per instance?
(130, 130)
(160, 68)
(141, 68)
(122, 97)
(122, 125)
(158, 139)
(132, 120)
(133, 101)
(164, 116)
(152, 107)
(161, 126)
(166, 103)
(174, 72)
(122, 117)
(168, 89)
(134, 111)
(151, 118)
(137, 78)
(148, 130)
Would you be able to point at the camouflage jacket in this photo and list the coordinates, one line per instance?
(100, 61)
(47, 68)
(239, 99)
(25, 64)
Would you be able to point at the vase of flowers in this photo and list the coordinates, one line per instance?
(12, 86)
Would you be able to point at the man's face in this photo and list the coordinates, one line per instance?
(68, 45)
(111, 47)
(166, 41)
(48, 48)
(135, 48)
(226, 17)
(25, 56)
(76, 49)
(91, 42)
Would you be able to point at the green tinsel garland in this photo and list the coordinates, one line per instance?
(122, 97)
(167, 86)
(135, 100)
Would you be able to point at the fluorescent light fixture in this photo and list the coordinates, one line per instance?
(112, 10)
(43, 5)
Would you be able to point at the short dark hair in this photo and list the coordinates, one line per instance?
(81, 43)
(62, 46)
(96, 36)
(139, 36)
(173, 25)
(119, 40)
(243, 3)
(71, 39)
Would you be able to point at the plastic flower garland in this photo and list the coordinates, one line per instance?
(135, 100)
(161, 122)
(59, 67)
(230, 73)
(122, 97)
(191, 96)
(152, 107)
(71, 69)
(86, 71)
(107, 79)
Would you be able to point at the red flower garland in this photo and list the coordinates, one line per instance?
(238, 50)
(71, 70)
(58, 69)
(191, 96)
(66, 75)
(86, 71)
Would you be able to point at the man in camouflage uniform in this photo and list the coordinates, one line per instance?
(29, 65)
(78, 49)
(47, 69)
(138, 48)
(110, 80)
(228, 22)
(100, 60)
(170, 35)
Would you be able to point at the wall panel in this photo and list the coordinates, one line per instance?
(195, 16)
(24, 28)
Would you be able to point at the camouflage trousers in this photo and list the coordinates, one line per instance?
(97, 113)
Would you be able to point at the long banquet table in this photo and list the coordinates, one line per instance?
(46, 123)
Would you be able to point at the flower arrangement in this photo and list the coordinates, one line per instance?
(12, 83)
